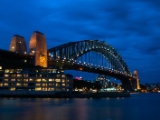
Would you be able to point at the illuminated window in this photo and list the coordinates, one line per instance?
(25, 80)
(57, 85)
(25, 84)
(5, 84)
(44, 84)
(63, 80)
(58, 80)
(13, 80)
(1, 84)
(12, 89)
(39, 75)
(51, 80)
(6, 71)
(11, 71)
(13, 75)
(44, 89)
(25, 75)
(19, 75)
(38, 80)
(51, 84)
(37, 88)
(50, 89)
(38, 84)
(0, 67)
(63, 76)
(19, 80)
(6, 80)
(31, 80)
(18, 84)
(54, 71)
(44, 80)
(6, 75)
(19, 70)
(63, 84)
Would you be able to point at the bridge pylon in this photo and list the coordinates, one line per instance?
(135, 82)
(18, 45)
(38, 48)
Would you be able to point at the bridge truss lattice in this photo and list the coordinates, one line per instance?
(83, 51)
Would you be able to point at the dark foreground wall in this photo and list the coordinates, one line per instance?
(51, 94)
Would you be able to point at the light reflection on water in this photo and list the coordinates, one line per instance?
(137, 107)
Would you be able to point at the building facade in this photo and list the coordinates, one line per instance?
(35, 80)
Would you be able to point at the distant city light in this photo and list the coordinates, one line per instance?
(78, 78)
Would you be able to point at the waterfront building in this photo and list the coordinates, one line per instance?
(32, 74)
(35, 79)
(18, 44)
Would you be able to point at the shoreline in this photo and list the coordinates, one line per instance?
(52, 94)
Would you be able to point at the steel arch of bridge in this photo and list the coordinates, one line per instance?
(73, 50)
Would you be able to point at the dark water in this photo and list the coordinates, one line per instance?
(137, 107)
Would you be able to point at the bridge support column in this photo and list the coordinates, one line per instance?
(126, 84)
(38, 48)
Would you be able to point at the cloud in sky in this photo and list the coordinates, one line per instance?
(131, 27)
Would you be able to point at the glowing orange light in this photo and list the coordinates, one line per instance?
(80, 68)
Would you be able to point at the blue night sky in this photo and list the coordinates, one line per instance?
(132, 27)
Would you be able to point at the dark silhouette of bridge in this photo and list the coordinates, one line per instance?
(88, 55)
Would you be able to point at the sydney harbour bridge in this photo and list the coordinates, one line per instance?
(87, 55)
(91, 56)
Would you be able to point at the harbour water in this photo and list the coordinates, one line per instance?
(137, 107)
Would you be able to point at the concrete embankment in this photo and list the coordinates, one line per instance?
(52, 94)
